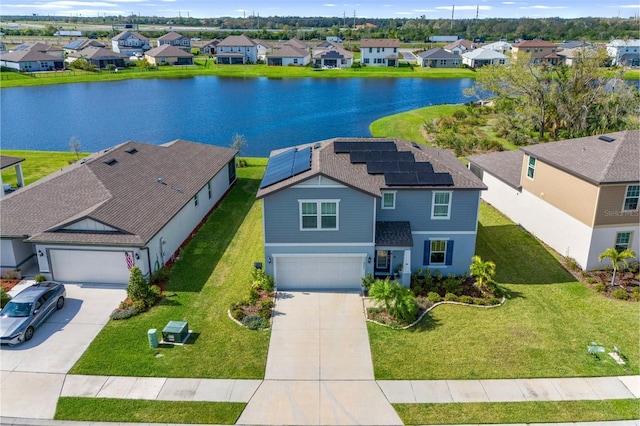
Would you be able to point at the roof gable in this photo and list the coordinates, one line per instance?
(168, 50)
(237, 40)
(379, 42)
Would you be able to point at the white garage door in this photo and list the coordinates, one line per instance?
(318, 272)
(86, 266)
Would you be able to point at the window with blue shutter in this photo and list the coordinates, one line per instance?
(438, 252)
(427, 252)
(449, 255)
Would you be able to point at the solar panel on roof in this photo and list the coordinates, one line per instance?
(418, 179)
(285, 165)
(606, 138)
(400, 179)
(302, 161)
(434, 179)
(345, 147)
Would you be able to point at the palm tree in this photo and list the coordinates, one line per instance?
(396, 299)
(482, 271)
(617, 257)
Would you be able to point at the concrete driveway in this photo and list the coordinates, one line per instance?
(319, 369)
(35, 370)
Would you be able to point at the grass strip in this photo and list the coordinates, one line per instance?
(147, 411)
(519, 412)
(37, 164)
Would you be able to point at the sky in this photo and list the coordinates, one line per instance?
(364, 9)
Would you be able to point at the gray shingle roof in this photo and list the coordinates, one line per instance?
(393, 234)
(168, 50)
(7, 161)
(506, 165)
(98, 53)
(126, 195)
(593, 159)
(170, 36)
(237, 40)
(379, 42)
(126, 34)
(438, 53)
(28, 56)
(339, 168)
(288, 51)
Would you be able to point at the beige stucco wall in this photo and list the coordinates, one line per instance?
(562, 190)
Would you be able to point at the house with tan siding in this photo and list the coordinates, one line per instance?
(579, 196)
(539, 50)
(379, 52)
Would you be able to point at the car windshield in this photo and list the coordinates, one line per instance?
(14, 309)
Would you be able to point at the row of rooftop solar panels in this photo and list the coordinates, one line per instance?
(368, 156)
(343, 147)
(285, 165)
(378, 167)
(418, 179)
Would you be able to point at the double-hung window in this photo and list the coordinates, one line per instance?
(195, 200)
(441, 205)
(623, 241)
(631, 198)
(438, 252)
(389, 200)
(531, 167)
(319, 215)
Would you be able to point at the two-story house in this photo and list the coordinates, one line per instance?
(130, 43)
(459, 46)
(332, 55)
(237, 49)
(379, 52)
(579, 196)
(539, 51)
(624, 52)
(177, 40)
(338, 209)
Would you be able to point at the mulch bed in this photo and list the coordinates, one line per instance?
(600, 281)
(9, 284)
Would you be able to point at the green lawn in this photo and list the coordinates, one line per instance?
(145, 411)
(542, 330)
(213, 271)
(37, 164)
(519, 412)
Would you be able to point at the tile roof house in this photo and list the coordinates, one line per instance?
(539, 50)
(101, 57)
(579, 196)
(237, 49)
(130, 43)
(134, 202)
(379, 52)
(438, 58)
(480, 57)
(338, 209)
(168, 54)
(175, 39)
(289, 55)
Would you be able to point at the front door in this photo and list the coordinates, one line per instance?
(383, 262)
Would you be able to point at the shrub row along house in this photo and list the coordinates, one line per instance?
(133, 204)
(579, 196)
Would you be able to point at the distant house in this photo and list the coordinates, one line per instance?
(175, 39)
(624, 52)
(168, 54)
(481, 57)
(100, 57)
(130, 43)
(331, 55)
(499, 46)
(459, 46)
(68, 33)
(289, 55)
(570, 56)
(237, 49)
(210, 47)
(539, 50)
(77, 45)
(28, 60)
(379, 52)
(133, 204)
(38, 46)
(264, 48)
(579, 196)
(438, 58)
(338, 209)
(296, 43)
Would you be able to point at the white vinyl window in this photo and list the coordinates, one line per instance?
(441, 205)
(531, 167)
(631, 198)
(623, 241)
(318, 215)
(438, 252)
(389, 200)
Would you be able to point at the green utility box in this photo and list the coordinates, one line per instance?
(152, 334)
(175, 332)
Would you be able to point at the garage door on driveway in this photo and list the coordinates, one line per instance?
(35, 370)
(319, 369)
(325, 272)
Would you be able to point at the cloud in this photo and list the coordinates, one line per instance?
(509, 2)
(330, 5)
(464, 7)
(404, 13)
(542, 6)
(630, 6)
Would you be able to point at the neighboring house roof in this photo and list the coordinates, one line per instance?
(126, 34)
(534, 43)
(171, 36)
(287, 51)
(263, 43)
(7, 161)
(594, 159)
(82, 43)
(333, 52)
(485, 54)
(338, 167)
(144, 179)
(438, 53)
(573, 53)
(168, 50)
(237, 40)
(572, 44)
(504, 165)
(393, 234)
(36, 46)
(461, 42)
(379, 42)
(98, 53)
(296, 43)
(212, 43)
(28, 56)
(498, 45)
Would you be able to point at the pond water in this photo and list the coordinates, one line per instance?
(269, 113)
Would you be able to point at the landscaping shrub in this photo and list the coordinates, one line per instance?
(620, 294)
(591, 280)
(572, 264)
(600, 287)
(138, 288)
(265, 309)
(434, 297)
(253, 296)
(493, 301)
(636, 294)
(396, 299)
(254, 322)
(40, 278)
(366, 281)
(120, 314)
(4, 297)
(452, 284)
(478, 301)
(236, 311)
(159, 276)
(466, 299)
(450, 297)
(262, 280)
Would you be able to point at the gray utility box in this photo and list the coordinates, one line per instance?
(175, 332)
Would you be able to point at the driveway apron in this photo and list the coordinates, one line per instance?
(319, 369)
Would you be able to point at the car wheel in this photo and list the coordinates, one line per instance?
(28, 334)
(60, 303)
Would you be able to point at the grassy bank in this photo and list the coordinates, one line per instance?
(206, 67)
(37, 164)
